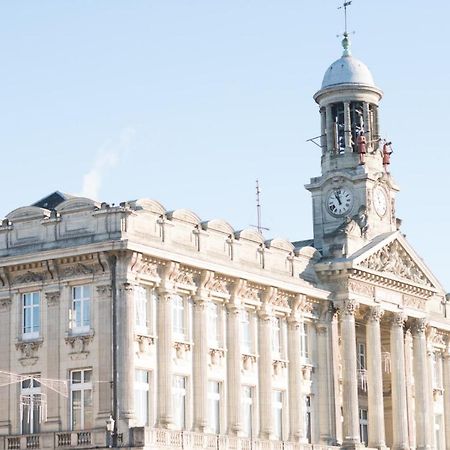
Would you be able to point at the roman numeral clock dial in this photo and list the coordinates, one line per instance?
(340, 201)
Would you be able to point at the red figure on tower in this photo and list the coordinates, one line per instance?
(387, 152)
(361, 144)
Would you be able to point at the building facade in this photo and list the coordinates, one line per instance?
(134, 326)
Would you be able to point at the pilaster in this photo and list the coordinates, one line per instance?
(446, 376)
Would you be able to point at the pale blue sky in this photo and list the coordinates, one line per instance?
(189, 101)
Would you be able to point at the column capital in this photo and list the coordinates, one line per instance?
(348, 307)
(399, 319)
(375, 313)
(419, 326)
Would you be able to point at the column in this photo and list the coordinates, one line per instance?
(446, 373)
(376, 124)
(399, 410)
(200, 366)
(351, 436)
(125, 352)
(421, 385)
(375, 379)
(164, 347)
(265, 372)
(431, 417)
(234, 369)
(330, 130)
(296, 399)
(323, 130)
(367, 130)
(323, 380)
(347, 128)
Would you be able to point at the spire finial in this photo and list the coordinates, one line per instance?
(346, 40)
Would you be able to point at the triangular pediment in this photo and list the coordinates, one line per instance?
(392, 257)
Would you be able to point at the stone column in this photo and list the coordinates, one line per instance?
(164, 347)
(446, 376)
(351, 436)
(125, 352)
(265, 372)
(375, 379)
(367, 130)
(323, 381)
(376, 124)
(296, 399)
(323, 130)
(234, 369)
(200, 365)
(399, 409)
(330, 130)
(347, 128)
(421, 384)
(431, 418)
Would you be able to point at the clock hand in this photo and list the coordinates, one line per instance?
(338, 197)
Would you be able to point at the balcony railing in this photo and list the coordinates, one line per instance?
(148, 439)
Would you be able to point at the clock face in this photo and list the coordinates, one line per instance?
(380, 201)
(340, 201)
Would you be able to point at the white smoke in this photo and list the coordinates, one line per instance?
(107, 158)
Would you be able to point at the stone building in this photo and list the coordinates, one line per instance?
(140, 327)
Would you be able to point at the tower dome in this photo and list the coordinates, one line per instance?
(347, 70)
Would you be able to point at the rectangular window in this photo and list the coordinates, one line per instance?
(214, 406)
(142, 397)
(308, 418)
(31, 405)
(179, 401)
(142, 307)
(276, 337)
(81, 308)
(304, 343)
(81, 399)
(178, 318)
(363, 426)
(213, 325)
(247, 410)
(246, 333)
(277, 399)
(362, 356)
(31, 315)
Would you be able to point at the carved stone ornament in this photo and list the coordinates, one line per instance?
(348, 308)
(104, 290)
(248, 362)
(145, 266)
(281, 299)
(219, 285)
(358, 287)
(52, 298)
(216, 356)
(29, 350)
(306, 372)
(395, 260)
(250, 293)
(181, 348)
(399, 319)
(77, 270)
(375, 314)
(278, 366)
(144, 342)
(414, 302)
(29, 277)
(419, 326)
(79, 344)
(5, 304)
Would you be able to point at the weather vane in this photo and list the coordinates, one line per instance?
(345, 6)
(259, 226)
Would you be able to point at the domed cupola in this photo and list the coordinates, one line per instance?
(348, 101)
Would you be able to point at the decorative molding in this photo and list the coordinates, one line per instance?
(394, 259)
(348, 307)
(414, 302)
(419, 326)
(104, 290)
(77, 270)
(216, 356)
(79, 344)
(29, 351)
(375, 313)
(144, 342)
(248, 361)
(181, 348)
(53, 298)
(5, 304)
(359, 287)
(278, 366)
(399, 319)
(29, 277)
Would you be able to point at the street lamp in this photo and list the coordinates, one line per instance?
(110, 429)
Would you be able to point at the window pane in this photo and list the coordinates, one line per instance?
(76, 376)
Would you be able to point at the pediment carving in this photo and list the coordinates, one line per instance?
(394, 259)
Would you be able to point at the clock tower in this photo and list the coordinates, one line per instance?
(354, 197)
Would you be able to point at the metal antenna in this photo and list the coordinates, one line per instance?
(345, 6)
(259, 226)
